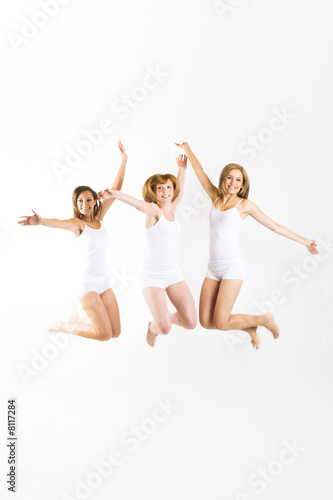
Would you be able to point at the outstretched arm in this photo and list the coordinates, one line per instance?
(208, 186)
(118, 181)
(72, 225)
(259, 216)
(144, 207)
(182, 164)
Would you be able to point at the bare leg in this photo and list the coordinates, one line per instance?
(157, 303)
(76, 320)
(81, 328)
(223, 318)
(111, 305)
(208, 296)
(216, 302)
(99, 309)
(181, 297)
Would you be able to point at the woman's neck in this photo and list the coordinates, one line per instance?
(229, 199)
(165, 207)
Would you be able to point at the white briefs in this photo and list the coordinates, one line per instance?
(163, 280)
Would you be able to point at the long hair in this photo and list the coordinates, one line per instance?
(244, 192)
(76, 193)
(148, 190)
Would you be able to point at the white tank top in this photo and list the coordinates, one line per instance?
(162, 239)
(92, 245)
(224, 229)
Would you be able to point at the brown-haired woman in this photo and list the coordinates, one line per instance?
(94, 293)
(161, 274)
(226, 268)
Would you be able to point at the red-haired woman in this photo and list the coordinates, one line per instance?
(161, 274)
(94, 293)
(226, 268)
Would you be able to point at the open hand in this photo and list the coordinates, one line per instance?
(311, 246)
(122, 150)
(30, 220)
(181, 161)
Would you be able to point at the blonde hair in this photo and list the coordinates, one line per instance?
(244, 192)
(76, 193)
(148, 190)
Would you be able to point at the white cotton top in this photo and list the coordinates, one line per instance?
(224, 229)
(92, 245)
(162, 240)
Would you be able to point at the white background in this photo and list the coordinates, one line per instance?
(226, 72)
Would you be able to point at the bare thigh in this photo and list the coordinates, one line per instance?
(157, 303)
(94, 308)
(111, 305)
(208, 297)
(226, 298)
(181, 298)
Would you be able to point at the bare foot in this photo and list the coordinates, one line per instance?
(82, 329)
(151, 337)
(255, 340)
(57, 327)
(271, 325)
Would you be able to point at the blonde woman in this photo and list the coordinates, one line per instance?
(226, 268)
(94, 293)
(161, 274)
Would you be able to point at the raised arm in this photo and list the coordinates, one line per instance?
(182, 164)
(208, 186)
(147, 208)
(118, 181)
(251, 209)
(72, 225)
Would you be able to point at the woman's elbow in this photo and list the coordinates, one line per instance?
(277, 228)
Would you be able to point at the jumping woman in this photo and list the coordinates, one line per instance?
(226, 268)
(161, 275)
(94, 293)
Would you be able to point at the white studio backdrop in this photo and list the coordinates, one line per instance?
(202, 415)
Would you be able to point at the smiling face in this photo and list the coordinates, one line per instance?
(164, 192)
(233, 182)
(86, 203)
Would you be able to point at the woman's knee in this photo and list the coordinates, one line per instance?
(109, 333)
(205, 321)
(116, 332)
(105, 335)
(191, 322)
(164, 326)
(221, 323)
